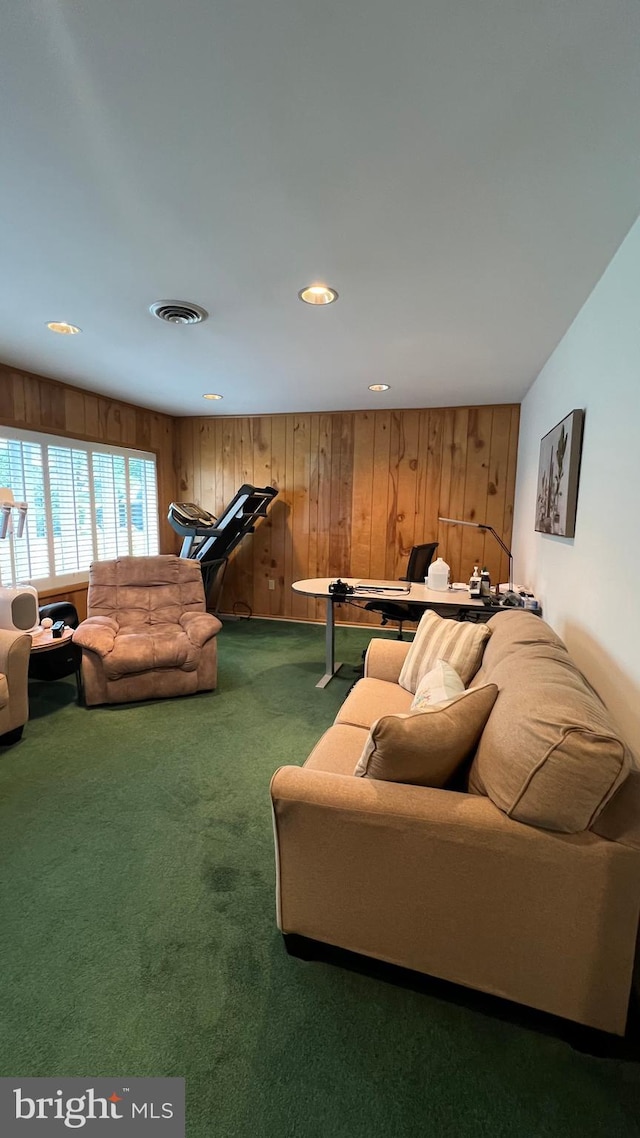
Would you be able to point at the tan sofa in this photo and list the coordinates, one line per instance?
(447, 882)
(14, 683)
(147, 634)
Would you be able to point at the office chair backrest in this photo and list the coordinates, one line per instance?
(420, 559)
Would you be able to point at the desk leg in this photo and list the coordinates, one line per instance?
(330, 665)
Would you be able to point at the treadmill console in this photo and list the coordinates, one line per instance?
(188, 514)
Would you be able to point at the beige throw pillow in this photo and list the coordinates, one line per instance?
(425, 748)
(439, 685)
(459, 643)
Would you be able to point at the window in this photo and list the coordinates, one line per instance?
(86, 503)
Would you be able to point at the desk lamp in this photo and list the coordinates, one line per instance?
(487, 529)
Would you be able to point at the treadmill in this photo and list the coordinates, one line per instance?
(210, 539)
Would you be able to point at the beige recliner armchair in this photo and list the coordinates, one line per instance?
(14, 683)
(147, 634)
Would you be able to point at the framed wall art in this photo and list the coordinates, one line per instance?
(558, 473)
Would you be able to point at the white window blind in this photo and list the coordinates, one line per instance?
(86, 503)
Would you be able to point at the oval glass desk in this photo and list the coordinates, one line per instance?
(400, 591)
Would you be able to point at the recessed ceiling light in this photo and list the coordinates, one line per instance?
(378, 387)
(63, 328)
(210, 395)
(318, 294)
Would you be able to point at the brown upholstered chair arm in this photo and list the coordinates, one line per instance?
(440, 881)
(200, 627)
(97, 634)
(385, 658)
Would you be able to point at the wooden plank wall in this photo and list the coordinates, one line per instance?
(356, 491)
(41, 404)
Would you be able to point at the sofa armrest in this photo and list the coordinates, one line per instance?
(435, 813)
(385, 658)
(15, 649)
(444, 883)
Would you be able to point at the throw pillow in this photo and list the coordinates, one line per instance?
(439, 685)
(459, 643)
(425, 748)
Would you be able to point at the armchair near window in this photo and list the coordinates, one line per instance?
(14, 700)
(147, 634)
(420, 559)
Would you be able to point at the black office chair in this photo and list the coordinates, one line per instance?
(420, 559)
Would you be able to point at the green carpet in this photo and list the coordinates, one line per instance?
(137, 931)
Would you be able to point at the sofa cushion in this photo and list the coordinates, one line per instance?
(427, 747)
(4, 691)
(437, 686)
(549, 755)
(368, 698)
(512, 632)
(459, 643)
(337, 751)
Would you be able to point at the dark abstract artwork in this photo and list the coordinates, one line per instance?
(558, 472)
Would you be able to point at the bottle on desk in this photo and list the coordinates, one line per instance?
(475, 583)
(438, 576)
(485, 583)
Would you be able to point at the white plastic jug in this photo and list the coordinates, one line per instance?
(438, 577)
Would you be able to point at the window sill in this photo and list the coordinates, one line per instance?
(56, 590)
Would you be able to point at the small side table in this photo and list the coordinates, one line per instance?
(43, 643)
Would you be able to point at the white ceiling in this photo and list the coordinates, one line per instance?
(461, 172)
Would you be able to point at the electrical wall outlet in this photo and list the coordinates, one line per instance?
(272, 583)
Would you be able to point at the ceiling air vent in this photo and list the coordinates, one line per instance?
(178, 312)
